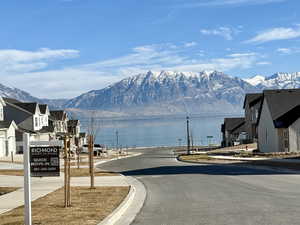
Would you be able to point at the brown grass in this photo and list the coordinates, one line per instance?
(5, 190)
(12, 172)
(89, 207)
(9, 161)
(202, 158)
(84, 172)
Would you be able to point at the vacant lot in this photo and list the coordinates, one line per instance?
(89, 207)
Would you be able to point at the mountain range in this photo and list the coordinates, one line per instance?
(167, 93)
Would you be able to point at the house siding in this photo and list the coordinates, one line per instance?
(267, 134)
(294, 136)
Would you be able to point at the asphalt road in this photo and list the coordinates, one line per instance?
(193, 194)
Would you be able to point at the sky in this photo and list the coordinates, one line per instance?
(63, 48)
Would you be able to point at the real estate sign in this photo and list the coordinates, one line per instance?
(44, 161)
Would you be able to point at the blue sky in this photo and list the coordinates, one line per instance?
(62, 48)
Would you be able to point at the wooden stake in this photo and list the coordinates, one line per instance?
(69, 174)
(91, 159)
(66, 172)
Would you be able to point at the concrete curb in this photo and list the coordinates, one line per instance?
(126, 212)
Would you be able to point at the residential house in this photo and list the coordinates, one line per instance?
(252, 104)
(30, 118)
(231, 129)
(7, 133)
(59, 120)
(278, 122)
(74, 131)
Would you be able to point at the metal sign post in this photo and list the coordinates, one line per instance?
(27, 181)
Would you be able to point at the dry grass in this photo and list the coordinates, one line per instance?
(5, 190)
(12, 172)
(84, 172)
(81, 172)
(89, 207)
(203, 158)
(9, 161)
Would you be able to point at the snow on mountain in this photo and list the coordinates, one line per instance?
(276, 81)
(258, 79)
(15, 93)
(169, 92)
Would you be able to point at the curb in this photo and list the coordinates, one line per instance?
(126, 212)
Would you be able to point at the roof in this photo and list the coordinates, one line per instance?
(43, 108)
(47, 129)
(73, 123)
(11, 100)
(28, 106)
(58, 114)
(252, 98)
(233, 123)
(282, 101)
(82, 134)
(5, 124)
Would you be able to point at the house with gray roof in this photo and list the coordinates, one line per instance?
(231, 129)
(7, 133)
(59, 119)
(252, 105)
(279, 121)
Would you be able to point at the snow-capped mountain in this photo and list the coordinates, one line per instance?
(23, 96)
(277, 80)
(10, 92)
(169, 92)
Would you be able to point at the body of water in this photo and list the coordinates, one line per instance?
(166, 131)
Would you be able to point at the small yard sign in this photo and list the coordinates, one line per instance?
(44, 161)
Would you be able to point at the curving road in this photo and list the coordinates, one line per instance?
(193, 194)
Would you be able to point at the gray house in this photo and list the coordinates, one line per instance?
(252, 105)
(231, 129)
(278, 122)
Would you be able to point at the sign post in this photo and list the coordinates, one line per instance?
(27, 181)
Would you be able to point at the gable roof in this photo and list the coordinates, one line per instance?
(28, 106)
(251, 98)
(7, 123)
(43, 108)
(231, 124)
(281, 101)
(58, 114)
(11, 100)
(73, 123)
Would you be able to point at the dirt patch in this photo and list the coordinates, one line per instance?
(89, 206)
(5, 190)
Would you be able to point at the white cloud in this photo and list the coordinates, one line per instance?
(12, 60)
(279, 33)
(72, 81)
(190, 44)
(225, 32)
(288, 51)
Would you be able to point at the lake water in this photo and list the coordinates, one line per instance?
(148, 132)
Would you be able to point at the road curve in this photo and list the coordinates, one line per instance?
(193, 194)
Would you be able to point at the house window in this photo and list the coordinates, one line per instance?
(36, 122)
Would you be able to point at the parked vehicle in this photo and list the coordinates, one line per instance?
(97, 149)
